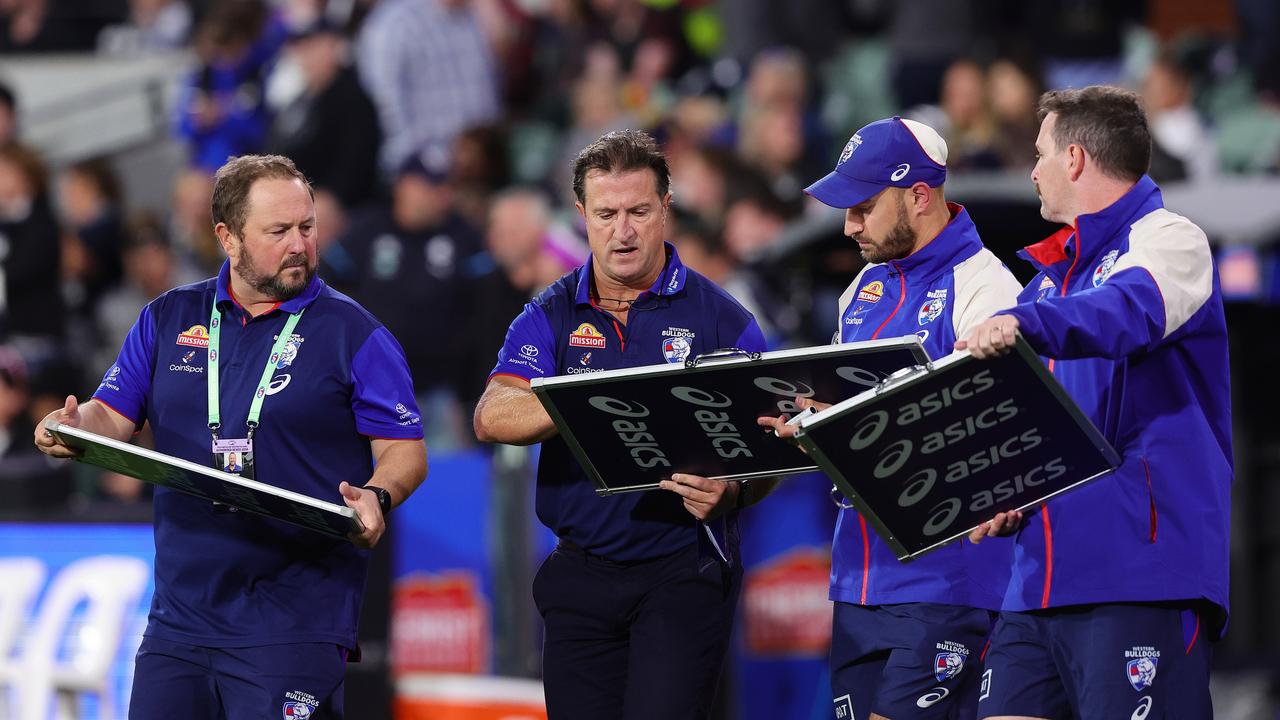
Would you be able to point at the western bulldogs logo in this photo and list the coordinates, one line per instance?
(849, 147)
(1104, 269)
(296, 711)
(1141, 672)
(947, 665)
(676, 349)
(931, 311)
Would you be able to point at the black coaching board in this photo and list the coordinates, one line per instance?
(632, 428)
(939, 450)
(241, 493)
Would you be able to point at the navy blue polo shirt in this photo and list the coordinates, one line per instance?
(562, 332)
(235, 579)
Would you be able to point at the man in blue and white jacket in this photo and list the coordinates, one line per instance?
(1117, 585)
(906, 638)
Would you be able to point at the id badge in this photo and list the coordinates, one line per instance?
(234, 455)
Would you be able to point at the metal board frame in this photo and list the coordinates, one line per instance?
(863, 402)
(204, 482)
(544, 389)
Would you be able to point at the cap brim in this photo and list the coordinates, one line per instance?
(842, 191)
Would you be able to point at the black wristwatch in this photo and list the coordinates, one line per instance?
(384, 498)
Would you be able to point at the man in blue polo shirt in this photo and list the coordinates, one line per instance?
(639, 597)
(1119, 587)
(907, 637)
(264, 368)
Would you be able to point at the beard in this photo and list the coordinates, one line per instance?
(896, 244)
(274, 285)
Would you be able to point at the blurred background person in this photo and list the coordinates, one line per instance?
(30, 254)
(430, 71)
(153, 25)
(8, 115)
(1183, 148)
(91, 203)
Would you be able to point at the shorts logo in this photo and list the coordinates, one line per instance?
(299, 705)
(844, 708)
(1104, 269)
(871, 292)
(931, 311)
(986, 685)
(933, 697)
(901, 172)
(194, 336)
(1143, 709)
(947, 665)
(676, 349)
(1141, 672)
(587, 336)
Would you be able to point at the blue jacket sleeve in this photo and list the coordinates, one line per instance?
(1115, 320)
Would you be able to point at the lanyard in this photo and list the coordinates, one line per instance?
(255, 408)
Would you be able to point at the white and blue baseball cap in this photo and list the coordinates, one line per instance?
(887, 153)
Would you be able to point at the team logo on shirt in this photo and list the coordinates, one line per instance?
(1140, 670)
(290, 352)
(676, 349)
(871, 292)
(299, 705)
(932, 309)
(529, 351)
(189, 356)
(112, 380)
(194, 336)
(1105, 267)
(587, 336)
(585, 359)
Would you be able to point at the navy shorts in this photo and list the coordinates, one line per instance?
(295, 682)
(1123, 660)
(916, 660)
(634, 641)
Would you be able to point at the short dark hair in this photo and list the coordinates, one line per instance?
(617, 152)
(1108, 122)
(232, 182)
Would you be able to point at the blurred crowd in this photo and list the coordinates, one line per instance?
(438, 136)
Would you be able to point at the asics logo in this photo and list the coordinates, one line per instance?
(900, 173)
(1144, 707)
(932, 697)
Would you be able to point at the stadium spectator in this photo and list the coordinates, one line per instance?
(407, 269)
(430, 71)
(8, 115)
(32, 486)
(331, 131)
(32, 303)
(1012, 93)
(481, 168)
(91, 201)
(1183, 147)
(221, 109)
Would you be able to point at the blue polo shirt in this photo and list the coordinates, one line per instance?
(235, 579)
(562, 332)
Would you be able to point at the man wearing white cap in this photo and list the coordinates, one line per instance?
(907, 639)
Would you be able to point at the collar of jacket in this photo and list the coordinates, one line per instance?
(1092, 233)
(957, 242)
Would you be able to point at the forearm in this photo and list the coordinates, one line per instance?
(401, 466)
(97, 418)
(511, 415)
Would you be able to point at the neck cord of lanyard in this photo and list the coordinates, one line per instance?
(255, 407)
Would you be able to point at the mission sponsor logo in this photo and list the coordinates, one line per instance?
(587, 336)
(194, 336)
(872, 292)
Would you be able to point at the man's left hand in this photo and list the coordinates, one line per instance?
(365, 503)
(705, 499)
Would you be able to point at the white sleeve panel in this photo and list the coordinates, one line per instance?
(1176, 253)
(846, 298)
(983, 287)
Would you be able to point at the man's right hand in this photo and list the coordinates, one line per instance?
(48, 444)
(779, 424)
